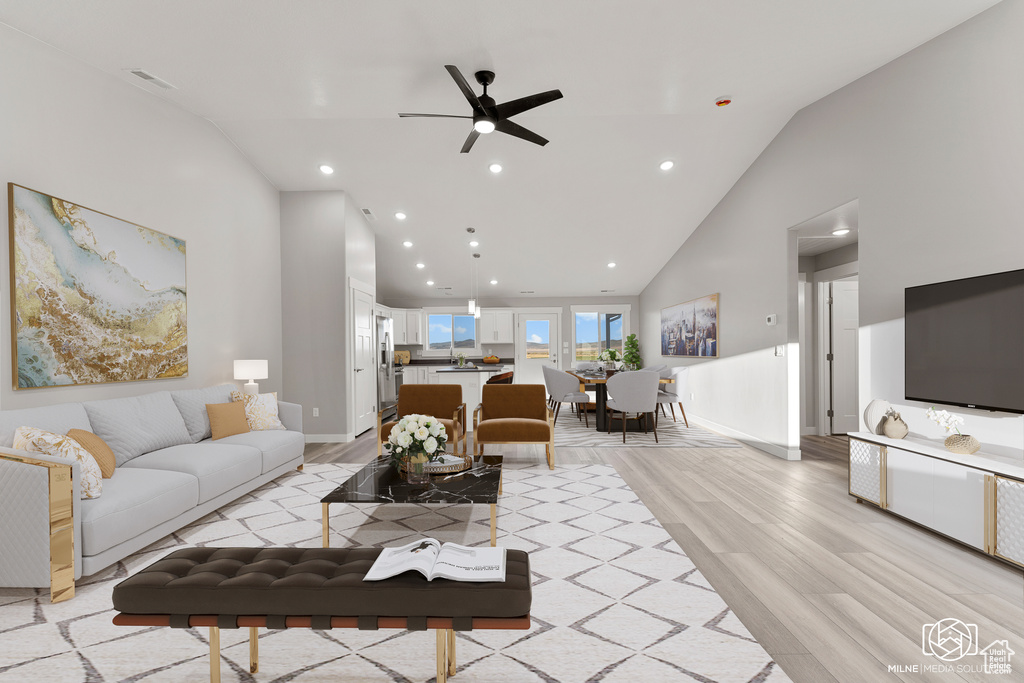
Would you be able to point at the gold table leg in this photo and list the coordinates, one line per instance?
(327, 525)
(494, 524)
(451, 652)
(254, 649)
(214, 654)
(442, 655)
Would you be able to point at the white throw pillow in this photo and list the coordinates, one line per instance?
(260, 410)
(41, 441)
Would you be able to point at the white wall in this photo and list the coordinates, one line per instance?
(324, 241)
(931, 145)
(69, 130)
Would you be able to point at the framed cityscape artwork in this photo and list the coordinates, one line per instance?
(691, 328)
(94, 299)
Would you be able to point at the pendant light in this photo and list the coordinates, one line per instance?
(476, 285)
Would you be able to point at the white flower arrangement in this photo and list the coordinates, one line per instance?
(417, 435)
(945, 419)
(609, 355)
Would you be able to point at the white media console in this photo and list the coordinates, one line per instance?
(975, 499)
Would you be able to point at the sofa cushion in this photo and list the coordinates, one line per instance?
(227, 419)
(56, 418)
(278, 447)
(218, 467)
(134, 501)
(97, 448)
(192, 406)
(137, 425)
(513, 429)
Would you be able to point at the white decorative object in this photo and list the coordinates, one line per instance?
(866, 470)
(874, 414)
(251, 370)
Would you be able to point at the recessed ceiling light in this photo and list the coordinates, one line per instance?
(399, 215)
(495, 168)
(430, 283)
(667, 165)
(407, 243)
(494, 282)
(612, 264)
(840, 232)
(326, 170)
(421, 265)
(474, 243)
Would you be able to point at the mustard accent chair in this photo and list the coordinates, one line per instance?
(514, 413)
(438, 400)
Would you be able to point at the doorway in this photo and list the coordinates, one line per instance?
(364, 366)
(838, 356)
(537, 344)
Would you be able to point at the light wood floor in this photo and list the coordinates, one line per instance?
(833, 590)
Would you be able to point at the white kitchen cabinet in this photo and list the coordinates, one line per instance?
(497, 326)
(398, 319)
(414, 327)
(414, 375)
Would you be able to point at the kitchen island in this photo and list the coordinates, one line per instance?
(472, 380)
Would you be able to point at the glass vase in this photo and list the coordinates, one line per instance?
(415, 472)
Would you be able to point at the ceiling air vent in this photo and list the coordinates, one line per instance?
(605, 291)
(146, 76)
(526, 291)
(369, 214)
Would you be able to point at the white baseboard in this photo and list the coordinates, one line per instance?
(329, 438)
(752, 441)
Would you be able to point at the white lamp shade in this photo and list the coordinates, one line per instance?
(251, 369)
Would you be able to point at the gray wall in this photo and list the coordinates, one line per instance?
(324, 242)
(936, 166)
(69, 130)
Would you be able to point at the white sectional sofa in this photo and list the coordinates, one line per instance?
(169, 473)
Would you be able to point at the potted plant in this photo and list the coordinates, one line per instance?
(413, 442)
(631, 353)
(964, 444)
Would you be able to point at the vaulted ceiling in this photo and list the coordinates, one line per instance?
(303, 83)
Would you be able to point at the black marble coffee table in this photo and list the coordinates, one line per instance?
(380, 483)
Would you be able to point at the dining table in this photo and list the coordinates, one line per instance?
(600, 380)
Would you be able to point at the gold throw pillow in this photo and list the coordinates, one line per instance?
(227, 419)
(41, 441)
(260, 410)
(97, 448)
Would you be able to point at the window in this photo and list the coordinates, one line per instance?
(450, 333)
(538, 338)
(596, 328)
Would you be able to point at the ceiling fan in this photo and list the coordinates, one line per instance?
(489, 116)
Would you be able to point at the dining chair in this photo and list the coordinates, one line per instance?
(503, 378)
(564, 388)
(633, 392)
(673, 393)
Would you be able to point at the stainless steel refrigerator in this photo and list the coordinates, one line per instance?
(387, 392)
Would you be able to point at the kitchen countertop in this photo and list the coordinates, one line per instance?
(478, 368)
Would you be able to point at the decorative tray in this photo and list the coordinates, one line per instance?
(449, 464)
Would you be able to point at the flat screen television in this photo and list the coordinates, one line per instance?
(965, 342)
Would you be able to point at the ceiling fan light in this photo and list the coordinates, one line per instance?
(483, 124)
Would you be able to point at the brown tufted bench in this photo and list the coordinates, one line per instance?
(319, 588)
(514, 413)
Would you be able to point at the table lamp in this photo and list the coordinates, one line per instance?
(251, 370)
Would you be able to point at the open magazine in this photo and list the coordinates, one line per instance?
(436, 560)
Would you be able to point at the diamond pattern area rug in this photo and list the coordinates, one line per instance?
(574, 433)
(614, 598)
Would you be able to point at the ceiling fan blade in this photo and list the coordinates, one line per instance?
(460, 81)
(468, 145)
(506, 126)
(439, 116)
(513, 107)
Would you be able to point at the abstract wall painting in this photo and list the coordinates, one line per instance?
(94, 299)
(691, 328)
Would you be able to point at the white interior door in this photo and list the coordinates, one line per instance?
(844, 357)
(536, 345)
(364, 370)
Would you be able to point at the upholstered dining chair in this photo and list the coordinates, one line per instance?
(673, 393)
(514, 413)
(633, 392)
(443, 401)
(503, 378)
(564, 388)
